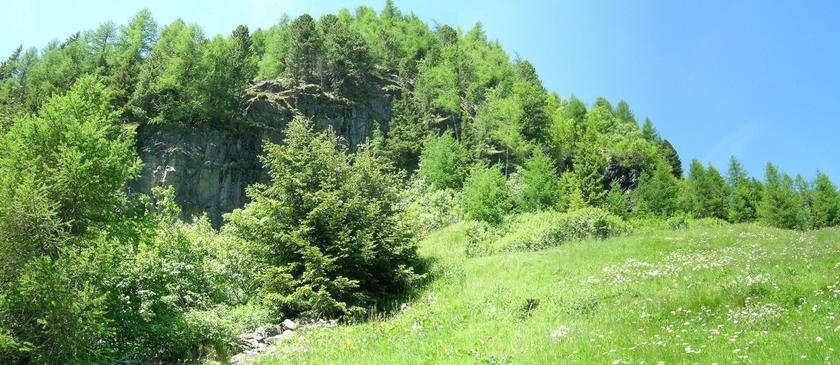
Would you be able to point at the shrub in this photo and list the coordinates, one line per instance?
(536, 231)
(678, 221)
(486, 195)
(430, 209)
(61, 318)
(328, 234)
(443, 162)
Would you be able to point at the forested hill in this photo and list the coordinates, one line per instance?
(358, 72)
(335, 145)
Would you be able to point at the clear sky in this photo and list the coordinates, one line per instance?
(757, 79)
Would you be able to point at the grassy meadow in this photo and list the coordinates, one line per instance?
(708, 294)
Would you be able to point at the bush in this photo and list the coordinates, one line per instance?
(529, 232)
(678, 221)
(443, 162)
(486, 195)
(328, 234)
(61, 318)
(430, 209)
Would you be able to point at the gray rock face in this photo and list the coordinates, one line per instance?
(210, 165)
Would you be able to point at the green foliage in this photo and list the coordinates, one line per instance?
(539, 188)
(88, 274)
(406, 133)
(133, 45)
(533, 99)
(63, 172)
(588, 166)
(825, 207)
(656, 194)
(305, 49)
(571, 195)
(431, 209)
(276, 39)
(498, 129)
(617, 202)
(227, 69)
(744, 200)
(443, 162)
(649, 132)
(327, 231)
(346, 64)
(709, 192)
(76, 157)
(537, 231)
(781, 205)
(168, 86)
(91, 274)
(671, 157)
(486, 194)
(61, 316)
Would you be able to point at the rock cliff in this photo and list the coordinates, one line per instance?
(210, 164)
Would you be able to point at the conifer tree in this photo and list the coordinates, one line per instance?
(539, 183)
(486, 194)
(709, 194)
(825, 209)
(670, 155)
(656, 194)
(406, 133)
(781, 205)
(588, 165)
(305, 49)
(616, 202)
(571, 196)
(649, 132)
(443, 162)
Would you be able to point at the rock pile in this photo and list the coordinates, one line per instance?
(266, 338)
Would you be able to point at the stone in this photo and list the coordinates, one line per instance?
(290, 324)
(268, 331)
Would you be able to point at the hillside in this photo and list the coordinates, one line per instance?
(706, 294)
(169, 196)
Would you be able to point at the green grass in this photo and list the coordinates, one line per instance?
(715, 294)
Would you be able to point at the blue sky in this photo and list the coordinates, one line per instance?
(757, 79)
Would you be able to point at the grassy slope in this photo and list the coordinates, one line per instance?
(725, 294)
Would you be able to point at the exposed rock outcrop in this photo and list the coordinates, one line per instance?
(210, 164)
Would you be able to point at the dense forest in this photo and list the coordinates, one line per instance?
(94, 272)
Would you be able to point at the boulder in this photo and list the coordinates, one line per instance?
(290, 324)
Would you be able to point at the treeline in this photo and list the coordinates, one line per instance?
(91, 274)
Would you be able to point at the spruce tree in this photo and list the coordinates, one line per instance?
(406, 133)
(667, 151)
(571, 196)
(616, 202)
(588, 165)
